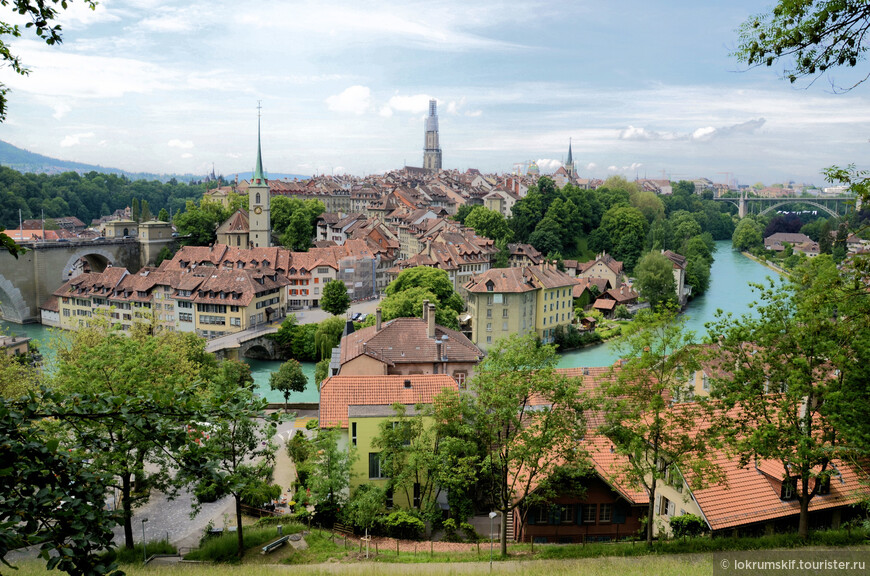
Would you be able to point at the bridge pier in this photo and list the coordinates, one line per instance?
(741, 207)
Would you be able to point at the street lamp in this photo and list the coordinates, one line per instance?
(144, 555)
(491, 537)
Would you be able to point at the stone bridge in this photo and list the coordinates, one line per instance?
(28, 282)
(251, 343)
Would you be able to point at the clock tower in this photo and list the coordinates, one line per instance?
(258, 201)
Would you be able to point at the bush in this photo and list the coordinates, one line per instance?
(622, 312)
(303, 516)
(403, 525)
(688, 525)
(134, 555)
(299, 448)
(224, 548)
(470, 533)
(450, 534)
(325, 514)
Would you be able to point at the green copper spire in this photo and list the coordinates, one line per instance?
(258, 177)
(570, 157)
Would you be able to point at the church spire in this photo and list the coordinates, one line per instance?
(258, 177)
(570, 163)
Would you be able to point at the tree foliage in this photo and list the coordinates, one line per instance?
(747, 235)
(655, 279)
(335, 299)
(528, 417)
(644, 429)
(795, 393)
(289, 378)
(811, 36)
(406, 293)
(488, 223)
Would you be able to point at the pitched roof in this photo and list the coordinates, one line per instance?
(406, 340)
(338, 393)
(606, 259)
(678, 260)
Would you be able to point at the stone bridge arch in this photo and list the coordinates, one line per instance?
(261, 348)
(97, 258)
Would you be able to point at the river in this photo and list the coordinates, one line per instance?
(730, 278)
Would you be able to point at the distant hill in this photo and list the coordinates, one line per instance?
(26, 161)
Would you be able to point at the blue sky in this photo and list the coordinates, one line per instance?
(641, 87)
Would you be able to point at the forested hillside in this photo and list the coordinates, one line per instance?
(85, 196)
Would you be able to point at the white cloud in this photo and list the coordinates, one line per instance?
(623, 169)
(176, 22)
(354, 100)
(708, 133)
(703, 133)
(187, 155)
(591, 166)
(416, 104)
(176, 143)
(60, 110)
(75, 139)
(548, 165)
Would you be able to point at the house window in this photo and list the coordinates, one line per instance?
(389, 498)
(504, 313)
(504, 326)
(705, 382)
(605, 513)
(353, 433)
(375, 465)
(589, 513)
(489, 312)
(460, 378)
(541, 516)
(416, 494)
(489, 326)
(566, 514)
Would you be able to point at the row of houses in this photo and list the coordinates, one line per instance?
(751, 499)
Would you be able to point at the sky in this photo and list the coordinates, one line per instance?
(640, 88)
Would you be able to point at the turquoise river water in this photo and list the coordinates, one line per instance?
(730, 279)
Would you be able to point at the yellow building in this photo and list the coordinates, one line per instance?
(357, 405)
(505, 301)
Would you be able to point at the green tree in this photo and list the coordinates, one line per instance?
(289, 378)
(163, 215)
(328, 336)
(650, 205)
(792, 396)
(145, 211)
(409, 304)
(530, 419)
(238, 456)
(134, 210)
(448, 303)
(136, 369)
(635, 400)
(548, 236)
(813, 36)
(698, 275)
(462, 213)
(330, 472)
(747, 235)
(655, 279)
(335, 299)
(626, 227)
(48, 490)
(199, 222)
(488, 223)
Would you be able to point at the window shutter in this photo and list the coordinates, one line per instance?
(578, 514)
(531, 515)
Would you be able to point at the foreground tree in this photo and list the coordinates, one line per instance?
(335, 299)
(49, 493)
(529, 418)
(796, 394)
(135, 369)
(650, 434)
(237, 457)
(330, 475)
(812, 36)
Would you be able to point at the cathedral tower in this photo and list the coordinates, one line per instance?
(258, 202)
(569, 165)
(431, 148)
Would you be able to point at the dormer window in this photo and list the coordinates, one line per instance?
(490, 286)
(789, 488)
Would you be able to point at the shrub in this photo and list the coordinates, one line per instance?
(303, 516)
(224, 548)
(404, 525)
(450, 534)
(299, 448)
(470, 533)
(124, 555)
(621, 311)
(688, 525)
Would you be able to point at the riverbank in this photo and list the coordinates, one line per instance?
(766, 263)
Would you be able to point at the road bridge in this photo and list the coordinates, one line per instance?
(835, 206)
(29, 281)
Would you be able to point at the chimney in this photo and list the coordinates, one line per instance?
(430, 320)
(378, 319)
(426, 311)
(438, 355)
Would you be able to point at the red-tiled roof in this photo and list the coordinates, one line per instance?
(339, 392)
